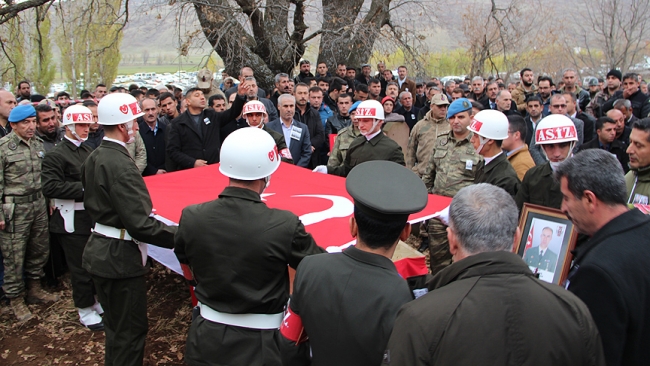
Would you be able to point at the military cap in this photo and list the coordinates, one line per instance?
(22, 112)
(385, 190)
(440, 99)
(354, 106)
(457, 106)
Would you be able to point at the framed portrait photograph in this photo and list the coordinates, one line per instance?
(547, 239)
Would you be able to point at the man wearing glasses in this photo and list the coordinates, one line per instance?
(47, 126)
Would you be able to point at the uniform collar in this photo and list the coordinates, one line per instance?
(369, 258)
(494, 161)
(122, 143)
(242, 193)
(76, 143)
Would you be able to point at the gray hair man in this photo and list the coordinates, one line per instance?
(488, 297)
(610, 271)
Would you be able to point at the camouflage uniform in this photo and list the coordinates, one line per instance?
(422, 141)
(595, 106)
(25, 240)
(452, 166)
(343, 140)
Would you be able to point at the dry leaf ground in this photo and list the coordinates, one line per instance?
(55, 337)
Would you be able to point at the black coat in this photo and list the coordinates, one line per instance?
(187, 144)
(539, 187)
(155, 146)
(489, 309)
(239, 250)
(640, 103)
(616, 147)
(611, 275)
(61, 178)
(500, 173)
(316, 131)
(410, 117)
(590, 126)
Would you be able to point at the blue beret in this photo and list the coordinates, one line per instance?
(459, 105)
(22, 112)
(354, 106)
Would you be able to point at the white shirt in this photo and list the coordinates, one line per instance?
(488, 160)
(115, 141)
(76, 143)
(369, 137)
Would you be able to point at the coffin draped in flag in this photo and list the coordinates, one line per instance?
(321, 201)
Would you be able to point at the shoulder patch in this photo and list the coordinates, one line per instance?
(12, 145)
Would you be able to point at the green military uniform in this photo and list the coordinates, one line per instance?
(499, 173)
(380, 147)
(62, 181)
(539, 187)
(341, 145)
(116, 196)
(238, 249)
(452, 166)
(422, 142)
(25, 240)
(638, 185)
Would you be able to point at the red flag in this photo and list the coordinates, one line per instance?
(529, 241)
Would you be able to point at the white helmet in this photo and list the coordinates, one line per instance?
(77, 114)
(490, 124)
(254, 106)
(117, 108)
(555, 128)
(249, 154)
(370, 109)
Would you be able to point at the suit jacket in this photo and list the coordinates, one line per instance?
(546, 262)
(189, 142)
(155, 146)
(301, 148)
(616, 147)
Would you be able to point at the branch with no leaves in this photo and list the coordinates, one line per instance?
(12, 9)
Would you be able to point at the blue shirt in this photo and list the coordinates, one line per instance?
(325, 112)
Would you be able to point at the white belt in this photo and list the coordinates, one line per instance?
(66, 210)
(122, 234)
(112, 232)
(253, 321)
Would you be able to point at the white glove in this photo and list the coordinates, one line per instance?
(320, 169)
(443, 216)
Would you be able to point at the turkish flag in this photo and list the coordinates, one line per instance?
(529, 240)
(320, 200)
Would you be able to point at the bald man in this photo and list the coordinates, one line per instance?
(622, 131)
(7, 103)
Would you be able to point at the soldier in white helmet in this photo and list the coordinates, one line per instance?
(255, 115)
(557, 135)
(490, 128)
(371, 145)
(238, 250)
(117, 200)
(61, 177)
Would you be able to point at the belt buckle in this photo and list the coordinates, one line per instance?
(122, 232)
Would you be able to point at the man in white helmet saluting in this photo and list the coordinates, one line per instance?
(371, 145)
(254, 113)
(238, 250)
(490, 128)
(557, 135)
(117, 200)
(61, 177)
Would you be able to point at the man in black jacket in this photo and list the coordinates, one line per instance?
(632, 92)
(194, 139)
(153, 130)
(307, 115)
(606, 140)
(610, 272)
(342, 118)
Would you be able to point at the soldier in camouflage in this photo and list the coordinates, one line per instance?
(424, 135)
(343, 140)
(613, 85)
(24, 235)
(451, 167)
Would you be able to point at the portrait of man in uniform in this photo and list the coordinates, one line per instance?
(542, 256)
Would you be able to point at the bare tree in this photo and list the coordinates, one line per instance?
(11, 8)
(272, 36)
(145, 57)
(609, 33)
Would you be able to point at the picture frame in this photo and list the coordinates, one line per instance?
(548, 238)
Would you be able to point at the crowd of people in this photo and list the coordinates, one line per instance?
(73, 197)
